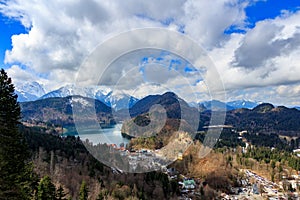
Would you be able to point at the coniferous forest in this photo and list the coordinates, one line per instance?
(30, 157)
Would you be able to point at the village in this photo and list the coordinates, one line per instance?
(252, 185)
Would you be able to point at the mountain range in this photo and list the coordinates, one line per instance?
(264, 118)
(31, 91)
(114, 99)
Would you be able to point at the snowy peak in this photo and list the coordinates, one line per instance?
(29, 91)
(71, 90)
(120, 101)
(243, 104)
(232, 105)
(116, 100)
(216, 105)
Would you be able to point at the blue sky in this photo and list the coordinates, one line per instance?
(269, 9)
(8, 27)
(254, 44)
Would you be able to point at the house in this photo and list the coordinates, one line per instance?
(189, 184)
(179, 156)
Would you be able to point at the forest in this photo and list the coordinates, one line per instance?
(38, 164)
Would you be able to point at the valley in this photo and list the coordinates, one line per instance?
(227, 171)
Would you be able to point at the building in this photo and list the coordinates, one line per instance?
(179, 156)
(189, 184)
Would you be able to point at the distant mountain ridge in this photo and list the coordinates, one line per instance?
(264, 118)
(29, 91)
(243, 104)
(220, 106)
(216, 105)
(115, 99)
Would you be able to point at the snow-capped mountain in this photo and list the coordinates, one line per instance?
(297, 107)
(199, 106)
(216, 105)
(29, 91)
(115, 99)
(232, 105)
(119, 101)
(69, 90)
(243, 104)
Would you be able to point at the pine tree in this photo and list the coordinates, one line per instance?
(60, 194)
(83, 193)
(46, 189)
(15, 173)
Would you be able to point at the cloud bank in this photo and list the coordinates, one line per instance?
(261, 62)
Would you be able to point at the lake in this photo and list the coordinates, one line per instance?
(105, 135)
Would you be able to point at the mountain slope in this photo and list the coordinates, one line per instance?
(58, 111)
(114, 99)
(266, 118)
(216, 105)
(174, 106)
(29, 91)
(242, 104)
(178, 115)
(219, 106)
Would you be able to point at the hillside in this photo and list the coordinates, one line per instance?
(174, 106)
(160, 123)
(68, 163)
(58, 111)
(266, 118)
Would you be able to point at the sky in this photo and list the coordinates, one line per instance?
(253, 44)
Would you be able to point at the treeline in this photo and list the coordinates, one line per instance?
(272, 140)
(68, 146)
(269, 155)
(228, 138)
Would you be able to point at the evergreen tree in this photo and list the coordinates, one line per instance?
(15, 173)
(60, 194)
(83, 193)
(46, 189)
(273, 164)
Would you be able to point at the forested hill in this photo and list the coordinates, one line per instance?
(59, 111)
(266, 118)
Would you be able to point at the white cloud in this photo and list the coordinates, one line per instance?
(269, 39)
(20, 75)
(62, 33)
(264, 58)
(206, 21)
